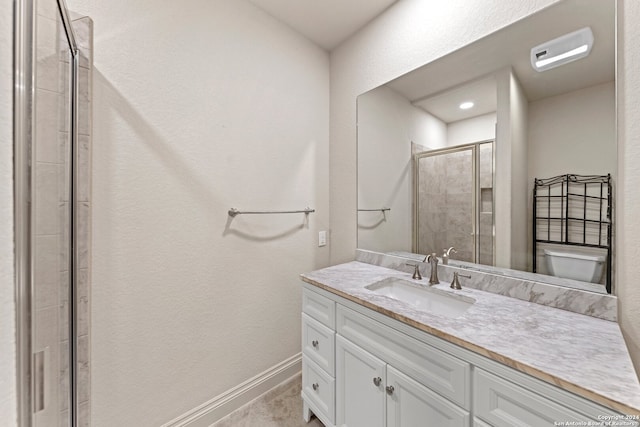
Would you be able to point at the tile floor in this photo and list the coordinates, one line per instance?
(279, 407)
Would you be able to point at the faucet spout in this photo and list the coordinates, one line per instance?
(433, 260)
(447, 254)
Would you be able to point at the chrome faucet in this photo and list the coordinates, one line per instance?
(447, 254)
(433, 260)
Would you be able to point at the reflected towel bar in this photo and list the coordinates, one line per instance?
(374, 210)
(233, 212)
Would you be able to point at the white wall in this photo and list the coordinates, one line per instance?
(503, 167)
(510, 173)
(199, 106)
(7, 306)
(387, 125)
(628, 203)
(474, 129)
(427, 130)
(415, 32)
(519, 195)
(573, 133)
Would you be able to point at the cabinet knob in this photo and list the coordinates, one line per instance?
(314, 343)
(377, 381)
(315, 386)
(389, 389)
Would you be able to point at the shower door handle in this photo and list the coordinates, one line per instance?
(39, 373)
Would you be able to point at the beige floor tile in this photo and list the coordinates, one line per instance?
(280, 407)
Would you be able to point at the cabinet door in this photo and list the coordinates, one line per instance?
(360, 382)
(477, 422)
(410, 404)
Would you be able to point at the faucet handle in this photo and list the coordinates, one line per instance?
(455, 283)
(416, 271)
(432, 257)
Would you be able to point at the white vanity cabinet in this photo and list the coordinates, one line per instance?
(362, 368)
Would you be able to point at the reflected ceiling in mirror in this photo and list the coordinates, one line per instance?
(432, 175)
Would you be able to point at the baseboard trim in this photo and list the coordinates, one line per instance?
(222, 405)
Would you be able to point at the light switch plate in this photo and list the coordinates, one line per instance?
(322, 238)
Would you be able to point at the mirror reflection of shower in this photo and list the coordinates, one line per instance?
(453, 201)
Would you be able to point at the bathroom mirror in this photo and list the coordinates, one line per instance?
(433, 174)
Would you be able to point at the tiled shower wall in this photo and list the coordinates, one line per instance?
(485, 208)
(51, 211)
(445, 204)
(84, 33)
(83, 28)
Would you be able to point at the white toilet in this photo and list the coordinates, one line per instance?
(586, 268)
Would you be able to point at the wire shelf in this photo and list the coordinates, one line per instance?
(574, 210)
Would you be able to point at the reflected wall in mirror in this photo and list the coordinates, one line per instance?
(424, 184)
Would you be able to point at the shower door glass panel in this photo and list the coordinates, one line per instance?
(51, 260)
(445, 202)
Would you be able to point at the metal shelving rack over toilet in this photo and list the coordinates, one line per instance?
(576, 211)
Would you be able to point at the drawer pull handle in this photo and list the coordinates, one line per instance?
(389, 389)
(315, 386)
(314, 343)
(377, 381)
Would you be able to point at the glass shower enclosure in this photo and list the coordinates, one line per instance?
(51, 92)
(453, 202)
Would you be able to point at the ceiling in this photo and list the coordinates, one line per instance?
(464, 69)
(445, 106)
(325, 22)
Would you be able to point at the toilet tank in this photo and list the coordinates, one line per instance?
(570, 265)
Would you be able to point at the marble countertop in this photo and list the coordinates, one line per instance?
(581, 354)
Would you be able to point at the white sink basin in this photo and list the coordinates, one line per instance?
(422, 298)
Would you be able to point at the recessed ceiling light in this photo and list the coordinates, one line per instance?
(562, 50)
(466, 105)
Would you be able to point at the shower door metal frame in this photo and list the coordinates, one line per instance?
(475, 202)
(478, 190)
(23, 72)
(24, 60)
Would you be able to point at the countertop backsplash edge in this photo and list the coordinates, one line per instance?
(575, 300)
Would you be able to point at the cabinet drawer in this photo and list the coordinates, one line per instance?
(504, 404)
(441, 372)
(319, 307)
(318, 388)
(318, 343)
